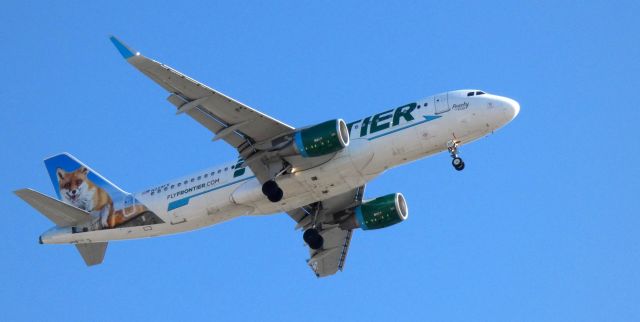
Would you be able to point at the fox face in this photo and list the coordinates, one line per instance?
(74, 187)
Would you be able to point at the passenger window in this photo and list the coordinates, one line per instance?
(165, 188)
(193, 179)
(179, 184)
(172, 186)
(186, 181)
(227, 168)
(219, 170)
(199, 177)
(206, 175)
(470, 94)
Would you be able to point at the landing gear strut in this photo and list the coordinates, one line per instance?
(457, 162)
(272, 191)
(312, 236)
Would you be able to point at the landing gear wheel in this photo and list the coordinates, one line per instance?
(457, 163)
(269, 187)
(276, 195)
(313, 238)
(272, 191)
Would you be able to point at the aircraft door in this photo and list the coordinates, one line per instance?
(441, 103)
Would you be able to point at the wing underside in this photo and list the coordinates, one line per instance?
(331, 257)
(229, 120)
(212, 109)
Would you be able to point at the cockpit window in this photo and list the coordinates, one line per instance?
(470, 94)
(479, 93)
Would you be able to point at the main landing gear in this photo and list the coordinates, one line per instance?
(312, 236)
(272, 191)
(457, 162)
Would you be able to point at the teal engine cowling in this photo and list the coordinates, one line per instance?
(321, 139)
(378, 213)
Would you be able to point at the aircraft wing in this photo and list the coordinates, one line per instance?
(234, 122)
(331, 257)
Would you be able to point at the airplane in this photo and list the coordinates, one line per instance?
(316, 174)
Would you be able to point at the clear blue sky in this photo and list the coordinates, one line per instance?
(542, 225)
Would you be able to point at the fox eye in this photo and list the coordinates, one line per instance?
(78, 182)
(67, 185)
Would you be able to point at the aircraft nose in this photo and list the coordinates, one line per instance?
(511, 107)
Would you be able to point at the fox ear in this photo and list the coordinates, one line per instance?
(84, 170)
(60, 173)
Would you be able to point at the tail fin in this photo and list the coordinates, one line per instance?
(61, 167)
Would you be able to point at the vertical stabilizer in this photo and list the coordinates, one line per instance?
(68, 174)
(109, 206)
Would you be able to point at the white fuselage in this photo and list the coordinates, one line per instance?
(378, 142)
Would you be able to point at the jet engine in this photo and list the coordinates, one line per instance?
(378, 213)
(321, 139)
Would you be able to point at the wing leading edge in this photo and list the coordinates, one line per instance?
(230, 120)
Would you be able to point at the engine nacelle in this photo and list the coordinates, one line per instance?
(378, 213)
(321, 139)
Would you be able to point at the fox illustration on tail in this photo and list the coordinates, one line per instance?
(86, 202)
(77, 190)
(78, 185)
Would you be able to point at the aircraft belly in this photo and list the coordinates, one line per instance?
(304, 187)
(64, 235)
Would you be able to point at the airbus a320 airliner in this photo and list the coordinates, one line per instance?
(316, 174)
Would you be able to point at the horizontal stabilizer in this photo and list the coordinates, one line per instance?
(92, 253)
(59, 212)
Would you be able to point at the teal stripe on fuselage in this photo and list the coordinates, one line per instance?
(185, 201)
(427, 118)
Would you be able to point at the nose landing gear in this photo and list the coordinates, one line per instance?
(457, 162)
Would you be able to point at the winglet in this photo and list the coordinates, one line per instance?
(124, 50)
